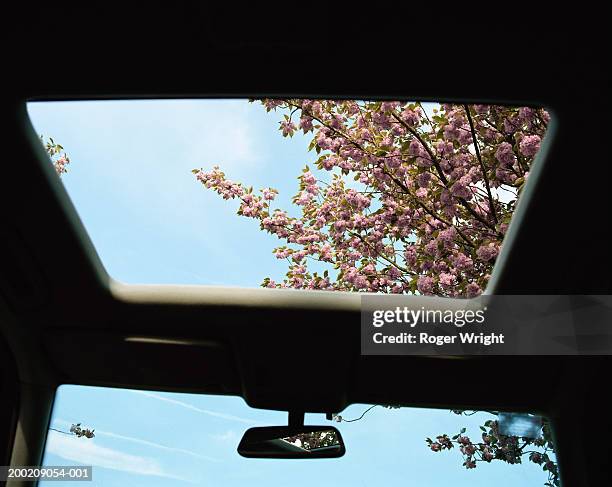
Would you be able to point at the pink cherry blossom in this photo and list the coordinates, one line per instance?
(426, 215)
(530, 145)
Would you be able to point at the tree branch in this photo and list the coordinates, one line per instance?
(482, 167)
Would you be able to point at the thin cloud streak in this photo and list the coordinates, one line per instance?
(191, 407)
(140, 441)
(87, 452)
(156, 445)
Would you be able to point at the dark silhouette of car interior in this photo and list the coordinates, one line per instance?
(64, 321)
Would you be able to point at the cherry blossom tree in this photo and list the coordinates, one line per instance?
(406, 200)
(494, 446)
(402, 200)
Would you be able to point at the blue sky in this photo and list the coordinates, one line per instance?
(151, 222)
(162, 439)
(130, 180)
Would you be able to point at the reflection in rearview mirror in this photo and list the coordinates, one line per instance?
(314, 440)
(292, 442)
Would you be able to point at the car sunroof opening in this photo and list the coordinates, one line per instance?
(340, 195)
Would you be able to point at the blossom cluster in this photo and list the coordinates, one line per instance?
(495, 446)
(402, 200)
(57, 155)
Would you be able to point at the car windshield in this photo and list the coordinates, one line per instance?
(143, 438)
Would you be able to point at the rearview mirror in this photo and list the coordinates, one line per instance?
(292, 442)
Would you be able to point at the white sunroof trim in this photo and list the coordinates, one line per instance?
(522, 206)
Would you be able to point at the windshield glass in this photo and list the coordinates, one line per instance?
(341, 195)
(142, 438)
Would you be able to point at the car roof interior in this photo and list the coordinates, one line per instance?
(63, 320)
